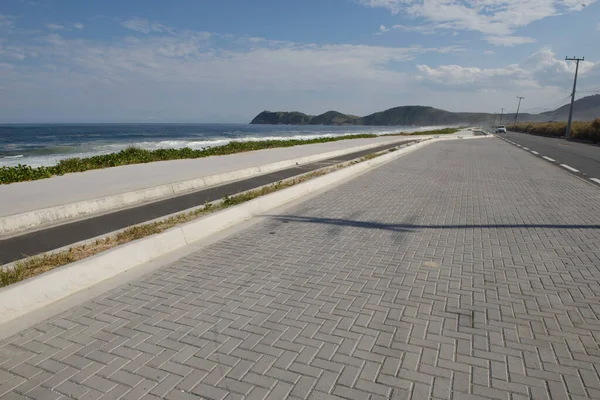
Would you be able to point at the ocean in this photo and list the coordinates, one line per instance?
(38, 145)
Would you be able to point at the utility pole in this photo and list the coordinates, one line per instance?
(501, 114)
(576, 59)
(518, 107)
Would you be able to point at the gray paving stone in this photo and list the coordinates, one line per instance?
(465, 270)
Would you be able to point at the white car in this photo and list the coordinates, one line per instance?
(500, 129)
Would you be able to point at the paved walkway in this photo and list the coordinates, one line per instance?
(465, 270)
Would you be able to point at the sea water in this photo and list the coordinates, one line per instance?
(38, 145)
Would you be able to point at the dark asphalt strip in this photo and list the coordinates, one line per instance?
(581, 156)
(29, 244)
(579, 164)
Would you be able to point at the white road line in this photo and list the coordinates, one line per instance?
(535, 152)
(525, 148)
(519, 145)
(549, 159)
(569, 167)
(595, 180)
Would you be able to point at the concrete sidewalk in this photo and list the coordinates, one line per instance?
(465, 270)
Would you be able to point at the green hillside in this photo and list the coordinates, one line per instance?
(298, 118)
(334, 118)
(586, 109)
(281, 118)
(420, 115)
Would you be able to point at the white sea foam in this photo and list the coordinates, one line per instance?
(51, 159)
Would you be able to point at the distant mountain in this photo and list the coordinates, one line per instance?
(334, 118)
(281, 118)
(298, 118)
(586, 108)
(421, 115)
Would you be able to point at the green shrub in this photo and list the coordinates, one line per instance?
(11, 275)
(579, 129)
(134, 155)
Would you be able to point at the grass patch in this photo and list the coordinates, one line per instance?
(583, 130)
(133, 155)
(39, 264)
(445, 131)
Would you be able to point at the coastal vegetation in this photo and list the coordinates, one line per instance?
(588, 131)
(133, 155)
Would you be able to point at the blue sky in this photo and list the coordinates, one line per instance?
(227, 60)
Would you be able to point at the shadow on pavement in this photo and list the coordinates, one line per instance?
(404, 227)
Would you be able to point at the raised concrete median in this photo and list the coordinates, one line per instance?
(33, 205)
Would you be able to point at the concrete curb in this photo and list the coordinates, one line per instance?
(32, 294)
(13, 224)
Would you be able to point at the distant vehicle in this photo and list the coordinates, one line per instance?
(500, 129)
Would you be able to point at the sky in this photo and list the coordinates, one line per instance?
(228, 60)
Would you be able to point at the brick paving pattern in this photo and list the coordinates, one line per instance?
(465, 270)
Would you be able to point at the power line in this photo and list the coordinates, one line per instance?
(553, 107)
(588, 91)
(576, 59)
(580, 95)
(548, 108)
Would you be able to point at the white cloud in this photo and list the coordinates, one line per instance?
(144, 26)
(55, 27)
(189, 69)
(60, 27)
(426, 30)
(493, 18)
(509, 40)
(392, 5)
(383, 29)
(184, 75)
(11, 53)
(247, 62)
(458, 75)
(7, 21)
(541, 69)
(489, 52)
(577, 5)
